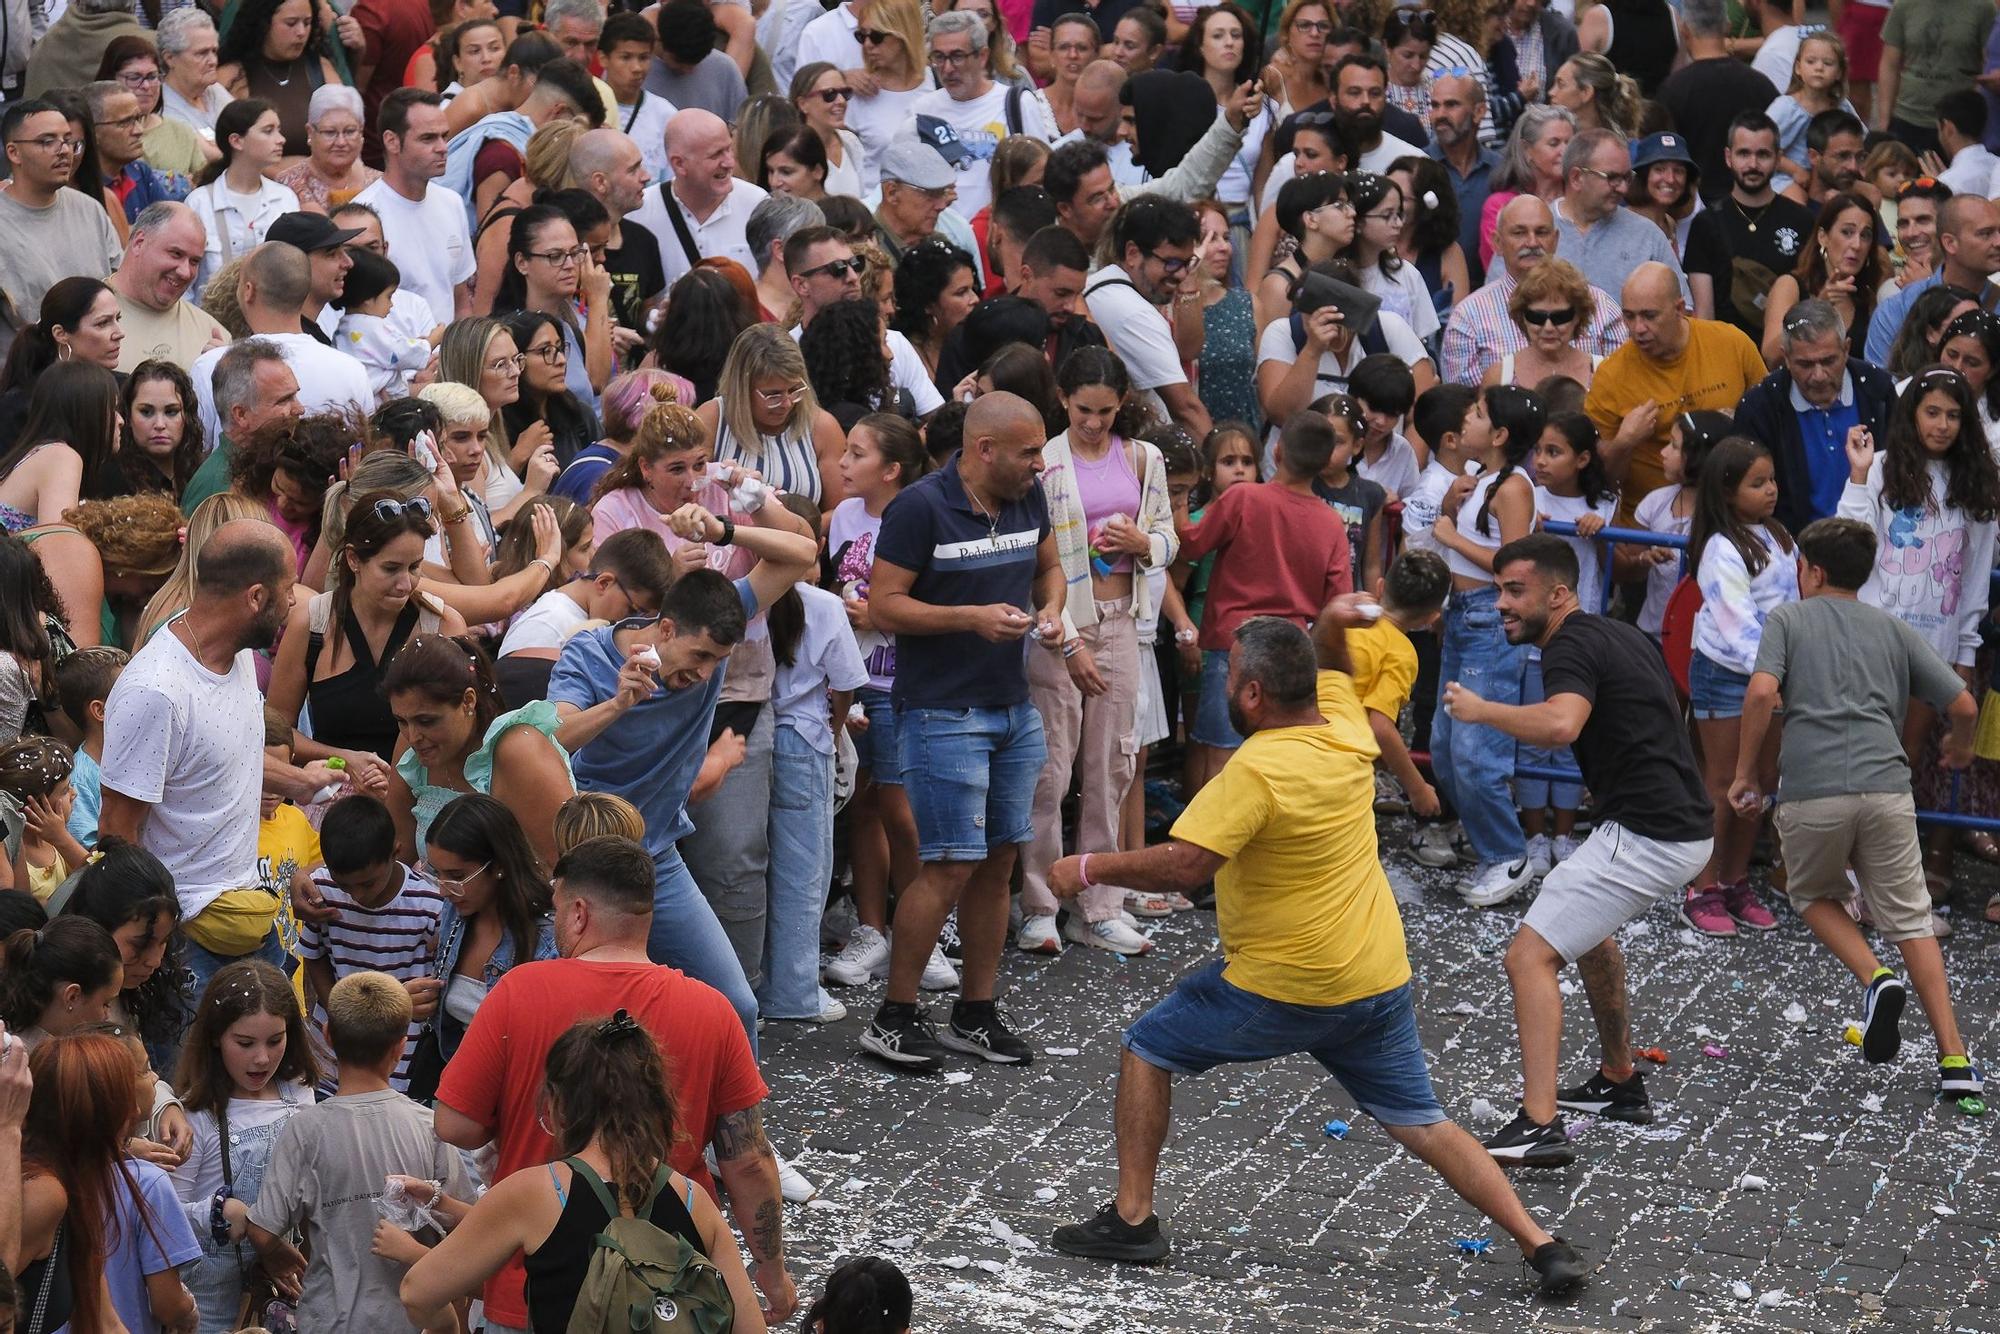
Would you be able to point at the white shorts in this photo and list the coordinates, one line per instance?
(1151, 721)
(1614, 877)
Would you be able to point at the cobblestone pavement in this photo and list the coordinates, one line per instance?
(1784, 1185)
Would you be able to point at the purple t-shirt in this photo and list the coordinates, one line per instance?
(158, 1241)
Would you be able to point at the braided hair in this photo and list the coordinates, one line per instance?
(1522, 415)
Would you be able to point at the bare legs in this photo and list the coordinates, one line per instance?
(979, 891)
(1532, 968)
(883, 850)
(1145, 1093)
(1925, 961)
(1735, 835)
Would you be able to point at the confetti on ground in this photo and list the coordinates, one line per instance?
(1741, 1291)
(1750, 1181)
(1795, 1013)
(1715, 1052)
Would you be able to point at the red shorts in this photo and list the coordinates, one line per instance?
(1860, 28)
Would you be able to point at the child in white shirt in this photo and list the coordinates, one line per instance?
(394, 359)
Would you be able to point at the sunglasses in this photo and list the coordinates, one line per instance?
(838, 268)
(1538, 317)
(388, 511)
(831, 95)
(1920, 183)
(870, 37)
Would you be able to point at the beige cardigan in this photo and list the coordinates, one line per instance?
(1155, 518)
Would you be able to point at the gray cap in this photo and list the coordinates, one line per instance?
(912, 161)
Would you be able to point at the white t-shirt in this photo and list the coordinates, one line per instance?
(191, 745)
(1138, 331)
(428, 243)
(548, 623)
(1421, 505)
(1379, 158)
(827, 658)
(646, 121)
(1775, 58)
(1403, 293)
(1589, 567)
(877, 120)
(1275, 344)
(830, 37)
(1234, 187)
(906, 371)
(845, 179)
(1655, 514)
(981, 124)
(719, 234)
(1396, 471)
(328, 380)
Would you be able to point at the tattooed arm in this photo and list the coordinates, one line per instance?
(750, 1177)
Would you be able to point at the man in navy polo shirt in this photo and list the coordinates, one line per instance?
(962, 558)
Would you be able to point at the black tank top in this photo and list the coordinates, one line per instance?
(1643, 41)
(556, 1271)
(290, 97)
(349, 711)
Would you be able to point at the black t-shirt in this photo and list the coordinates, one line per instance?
(1745, 250)
(1633, 750)
(636, 274)
(1703, 98)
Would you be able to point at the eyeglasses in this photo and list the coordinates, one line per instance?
(552, 355)
(1608, 177)
(338, 136)
(49, 143)
(954, 58)
(140, 80)
(124, 123)
(453, 885)
(1338, 206)
(560, 258)
(782, 398)
(1171, 265)
(870, 37)
(1312, 25)
(839, 268)
(1538, 317)
(501, 365)
(388, 511)
(1393, 219)
(832, 95)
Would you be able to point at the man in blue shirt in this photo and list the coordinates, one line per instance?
(636, 700)
(1969, 252)
(962, 557)
(1803, 411)
(1458, 102)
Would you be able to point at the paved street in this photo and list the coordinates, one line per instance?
(1785, 1185)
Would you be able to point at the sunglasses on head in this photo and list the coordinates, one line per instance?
(1920, 183)
(388, 511)
(1563, 316)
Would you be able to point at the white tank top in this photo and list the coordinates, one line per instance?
(1468, 528)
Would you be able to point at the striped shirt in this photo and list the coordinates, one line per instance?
(788, 463)
(398, 938)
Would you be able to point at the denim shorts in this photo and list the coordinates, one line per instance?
(1370, 1046)
(971, 775)
(1211, 719)
(876, 744)
(1714, 690)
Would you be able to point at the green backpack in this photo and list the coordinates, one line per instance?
(643, 1279)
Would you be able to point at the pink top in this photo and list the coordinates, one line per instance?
(295, 531)
(629, 508)
(1105, 488)
(1489, 222)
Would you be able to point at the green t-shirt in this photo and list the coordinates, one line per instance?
(1944, 47)
(210, 479)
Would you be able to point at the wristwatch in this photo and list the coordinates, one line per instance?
(728, 533)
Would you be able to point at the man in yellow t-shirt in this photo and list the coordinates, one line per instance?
(1674, 363)
(1313, 958)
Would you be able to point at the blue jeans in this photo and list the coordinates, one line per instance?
(971, 777)
(687, 936)
(205, 964)
(1369, 1045)
(1539, 794)
(801, 868)
(1715, 691)
(876, 746)
(1473, 764)
(1212, 727)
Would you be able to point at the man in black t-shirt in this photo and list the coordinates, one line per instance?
(610, 166)
(1608, 698)
(1704, 95)
(1742, 242)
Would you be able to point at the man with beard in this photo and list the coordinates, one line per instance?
(1835, 141)
(1313, 952)
(184, 742)
(1609, 698)
(1134, 302)
(1457, 102)
(1969, 253)
(965, 570)
(1741, 243)
(1360, 91)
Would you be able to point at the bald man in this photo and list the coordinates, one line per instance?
(610, 164)
(1672, 364)
(965, 570)
(184, 745)
(1480, 332)
(702, 212)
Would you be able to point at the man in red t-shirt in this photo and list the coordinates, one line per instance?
(490, 1091)
(391, 32)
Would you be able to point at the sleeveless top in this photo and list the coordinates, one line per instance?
(1104, 488)
(1507, 367)
(349, 711)
(790, 462)
(432, 798)
(1468, 526)
(291, 97)
(556, 1270)
(1644, 41)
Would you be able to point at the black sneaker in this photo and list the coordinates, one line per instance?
(1524, 1143)
(1559, 1265)
(948, 940)
(1614, 1100)
(1109, 1237)
(1881, 1031)
(1960, 1079)
(977, 1030)
(901, 1035)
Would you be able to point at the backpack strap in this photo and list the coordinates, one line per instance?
(679, 220)
(585, 1173)
(1013, 112)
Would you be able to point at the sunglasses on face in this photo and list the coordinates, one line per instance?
(1539, 317)
(870, 37)
(839, 268)
(832, 95)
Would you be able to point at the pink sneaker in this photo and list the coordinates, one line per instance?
(1741, 900)
(1706, 913)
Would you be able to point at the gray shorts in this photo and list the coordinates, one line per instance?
(1614, 877)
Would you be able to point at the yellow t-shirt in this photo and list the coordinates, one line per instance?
(286, 842)
(1304, 911)
(1716, 369)
(44, 881)
(1385, 670)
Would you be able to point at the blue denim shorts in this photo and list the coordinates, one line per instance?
(1211, 719)
(876, 745)
(1714, 690)
(1370, 1046)
(971, 774)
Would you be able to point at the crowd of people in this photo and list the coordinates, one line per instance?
(539, 540)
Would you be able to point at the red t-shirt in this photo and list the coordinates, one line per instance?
(1280, 554)
(495, 1076)
(392, 31)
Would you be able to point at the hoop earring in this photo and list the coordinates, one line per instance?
(63, 351)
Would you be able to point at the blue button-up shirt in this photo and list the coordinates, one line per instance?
(1471, 189)
(1823, 431)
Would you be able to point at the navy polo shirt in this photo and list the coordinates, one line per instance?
(961, 560)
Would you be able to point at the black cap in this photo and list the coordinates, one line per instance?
(310, 232)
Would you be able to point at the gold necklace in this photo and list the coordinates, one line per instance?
(1748, 220)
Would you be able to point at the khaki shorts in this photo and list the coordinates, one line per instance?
(1876, 834)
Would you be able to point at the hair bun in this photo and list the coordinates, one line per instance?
(664, 392)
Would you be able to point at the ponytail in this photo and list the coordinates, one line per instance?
(1522, 414)
(868, 1295)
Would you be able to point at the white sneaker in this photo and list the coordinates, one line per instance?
(939, 975)
(1113, 935)
(1038, 935)
(1142, 904)
(1497, 882)
(1562, 847)
(1128, 919)
(792, 1183)
(837, 923)
(863, 958)
(831, 1011)
(1436, 846)
(1539, 860)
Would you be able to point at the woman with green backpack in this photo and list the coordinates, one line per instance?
(609, 1231)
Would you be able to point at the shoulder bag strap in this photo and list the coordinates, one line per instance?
(38, 1318)
(633, 119)
(1014, 95)
(679, 221)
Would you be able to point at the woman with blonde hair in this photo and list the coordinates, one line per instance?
(479, 352)
(174, 595)
(545, 166)
(764, 418)
(756, 120)
(891, 33)
(1552, 307)
(821, 94)
(1590, 88)
(1298, 58)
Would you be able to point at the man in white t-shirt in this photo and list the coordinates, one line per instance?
(184, 745)
(824, 269)
(1300, 362)
(426, 231)
(830, 37)
(1131, 301)
(701, 213)
(979, 112)
(1780, 49)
